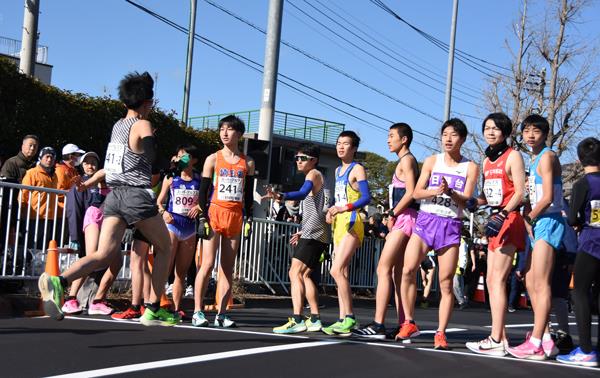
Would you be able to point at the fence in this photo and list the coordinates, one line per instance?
(12, 47)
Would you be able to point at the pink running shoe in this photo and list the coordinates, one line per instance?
(100, 308)
(550, 349)
(71, 307)
(527, 351)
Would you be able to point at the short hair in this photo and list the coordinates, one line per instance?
(310, 149)
(190, 149)
(536, 121)
(501, 121)
(588, 152)
(135, 88)
(404, 130)
(352, 135)
(31, 136)
(458, 126)
(234, 122)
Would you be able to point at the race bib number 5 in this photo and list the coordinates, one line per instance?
(492, 188)
(184, 200)
(230, 189)
(114, 158)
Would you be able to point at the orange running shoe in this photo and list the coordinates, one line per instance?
(440, 341)
(407, 330)
(128, 314)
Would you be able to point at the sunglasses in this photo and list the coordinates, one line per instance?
(303, 158)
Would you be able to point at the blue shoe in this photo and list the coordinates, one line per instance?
(577, 357)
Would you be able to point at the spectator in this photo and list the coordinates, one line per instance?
(14, 168)
(66, 170)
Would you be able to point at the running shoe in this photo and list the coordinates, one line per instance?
(578, 357)
(189, 292)
(439, 341)
(291, 327)
(128, 314)
(408, 330)
(224, 321)
(52, 295)
(161, 317)
(100, 308)
(71, 307)
(372, 331)
(199, 320)
(564, 342)
(527, 351)
(329, 330)
(346, 327)
(182, 315)
(311, 326)
(488, 346)
(550, 349)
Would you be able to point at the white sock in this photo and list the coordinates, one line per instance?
(546, 337)
(535, 341)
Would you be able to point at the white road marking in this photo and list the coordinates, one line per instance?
(531, 325)
(448, 330)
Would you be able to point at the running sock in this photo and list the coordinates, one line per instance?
(152, 306)
(135, 307)
(494, 340)
(314, 317)
(63, 281)
(220, 316)
(297, 318)
(546, 337)
(96, 301)
(378, 325)
(69, 297)
(351, 316)
(535, 341)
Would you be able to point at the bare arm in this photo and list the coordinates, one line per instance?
(163, 193)
(317, 180)
(516, 166)
(410, 179)
(546, 168)
(421, 191)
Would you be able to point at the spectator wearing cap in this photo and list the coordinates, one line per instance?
(66, 170)
(13, 169)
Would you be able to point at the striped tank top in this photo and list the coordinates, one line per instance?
(124, 167)
(313, 217)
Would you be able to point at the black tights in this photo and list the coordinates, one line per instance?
(587, 271)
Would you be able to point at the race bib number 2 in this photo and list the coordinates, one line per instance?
(114, 158)
(230, 189)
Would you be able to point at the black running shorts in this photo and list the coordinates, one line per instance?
(309, 252)
(131, 204)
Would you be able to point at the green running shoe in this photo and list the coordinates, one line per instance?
(315, 326)
(161, 317)
(291, 327)
(329, 330)
(345, 328)
(52, 295)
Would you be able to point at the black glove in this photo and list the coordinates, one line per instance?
(494, 224)
(247, 229)
(471, 204)
(203, 231)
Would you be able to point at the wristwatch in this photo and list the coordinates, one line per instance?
(391, 213)
(528, 219)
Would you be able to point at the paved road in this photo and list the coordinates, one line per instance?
(97, 346)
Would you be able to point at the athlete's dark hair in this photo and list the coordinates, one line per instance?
(234, 122)
(458, 126)
(352, 135)
(588, 152)
(31, 136)
(536, 121)
(403, 129)
(191, 149)
(135, 88)
(310, 149)
(501, 121)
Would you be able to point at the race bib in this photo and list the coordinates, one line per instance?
(184, 200)
(114, 158)
(341, 197)
(441, 205)
(532, 190)
(492, 188)
(230, 189)
(595, 213)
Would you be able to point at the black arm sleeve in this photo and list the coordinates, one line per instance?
(149, 148)
(249, 195)
(203, 194)
(578, 198)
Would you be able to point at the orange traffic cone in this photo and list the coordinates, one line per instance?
(523, 301)
(52, 267)
(479, 295)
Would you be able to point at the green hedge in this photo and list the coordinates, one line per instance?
(59, 117)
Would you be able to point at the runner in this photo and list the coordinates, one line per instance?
(503, 189)
(310, 242)
(585, 214)
(402, 217)
(127, 170)
(232, 176)
(180, 216)
(446, 182)
(546, 228)
(351, 193)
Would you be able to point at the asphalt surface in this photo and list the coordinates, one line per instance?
(97, 346)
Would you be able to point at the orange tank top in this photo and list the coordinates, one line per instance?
(228, 183)
(497, 187)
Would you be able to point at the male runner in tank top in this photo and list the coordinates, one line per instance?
(128, 172)
(231, 174)
(310, 242)
(403, 214)
(503, 189)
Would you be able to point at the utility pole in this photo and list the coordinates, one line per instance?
(269, 89)
(188, 64)
(29, 38)
(450, 62)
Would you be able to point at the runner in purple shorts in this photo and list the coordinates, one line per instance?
(402, 217)
(446, 182)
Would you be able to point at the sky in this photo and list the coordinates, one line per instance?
(92, 44)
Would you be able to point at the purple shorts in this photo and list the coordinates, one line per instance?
(405, 221)
(437, 232)
(93, 215)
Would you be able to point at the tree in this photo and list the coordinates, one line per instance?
(379, 176)
(554, 73)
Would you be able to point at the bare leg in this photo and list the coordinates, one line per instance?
(229, 248)
(297, 272)
(391, 257)
(138, 263)
(542, 262)
(447, 260)
(415, 251)
(91, 234)
(209, 252)
(339, 272)
(311, 292)
(499, 264)
(109, 277)
(185, 255)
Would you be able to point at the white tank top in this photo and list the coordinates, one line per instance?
(456, 177)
